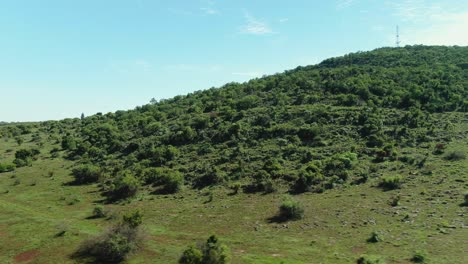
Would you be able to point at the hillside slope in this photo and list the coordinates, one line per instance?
(368, 142)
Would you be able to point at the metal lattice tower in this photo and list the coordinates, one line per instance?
(397, 37)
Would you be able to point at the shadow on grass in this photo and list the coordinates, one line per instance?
(277, 219)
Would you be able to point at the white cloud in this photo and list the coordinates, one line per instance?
(430, 23)
(344, 3)
(450, 30)
(143, 65)
(255, 27)
(209, 11)
(284, 20)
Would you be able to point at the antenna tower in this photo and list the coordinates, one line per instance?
(397, 37)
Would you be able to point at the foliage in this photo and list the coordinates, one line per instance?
(124, 186)
(390, 182)
(99, 212)
(210, 252)
(291, 210)
(116, 243)
(86, 173)
(419, 257)
(375, 237)
(455, 155)
(368, 259)
(171, 181)
(6, 167)
(24, 157)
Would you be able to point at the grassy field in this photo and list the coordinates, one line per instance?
(44, 220)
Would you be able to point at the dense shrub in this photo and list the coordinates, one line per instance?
(124, 186)
(24, 157)
(116, 243)
(99, 212)
(210, 252)
(455, 155)
(375, 237)
(291, 210)
(262, 182)
(169, 180)
(5, 167)
(86, 173)
(419, 257)
(309, 176)
(390, 182)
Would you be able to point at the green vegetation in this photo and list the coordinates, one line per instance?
(290, 210)
(390, 182)
(116, 243)
(221, 161)
(210, 252)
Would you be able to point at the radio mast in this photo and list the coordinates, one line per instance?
(397, 37)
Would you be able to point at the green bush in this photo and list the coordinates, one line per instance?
(99, 212)
(6, 167)
(374, 238)
(171, 181)
(455, 155)
(210, 252)
(390, 182)
(114, 244)
(123, 187)
(133, 219)
(86, 173)
(419, 257)
(291, 210)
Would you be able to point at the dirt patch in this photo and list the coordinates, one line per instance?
(26, 256)
(358, 250)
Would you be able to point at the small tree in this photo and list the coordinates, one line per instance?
(210, 252)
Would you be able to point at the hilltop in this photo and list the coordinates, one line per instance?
(368, 142)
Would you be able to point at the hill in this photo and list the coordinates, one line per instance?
(368, 142)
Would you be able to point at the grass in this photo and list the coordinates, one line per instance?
(334, 229)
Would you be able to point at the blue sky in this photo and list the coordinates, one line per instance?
(59, 58)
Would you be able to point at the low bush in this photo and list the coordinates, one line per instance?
(171, 181)
(374, 238)
(210, 252)
(125, 186)
(6, 167)
(86, 173)
(24, 157)
(99, 212)
(390, 182)
(419, 257)
(455, 155)
(115, 244)
(291, 210)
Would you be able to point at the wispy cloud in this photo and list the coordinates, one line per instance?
(193, 67)
(129, 66)
(431, 23)
(284, 20)
(248, 74)
(209, 11)
(255, 26)
(340, 4)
